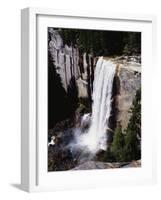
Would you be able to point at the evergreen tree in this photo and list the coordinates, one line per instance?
(98, 42)
(127, 147)
(117, 147)
(132, 43)
(133, 132)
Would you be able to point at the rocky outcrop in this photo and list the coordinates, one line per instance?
(69, 63)
(107, 165)
(60, 157)
(65, 57)
(128, 82)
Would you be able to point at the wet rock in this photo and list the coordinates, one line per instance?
(85, 121)
(59, 159)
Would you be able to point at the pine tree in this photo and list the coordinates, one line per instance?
(127, 147)
(117, 147)
(133, 132)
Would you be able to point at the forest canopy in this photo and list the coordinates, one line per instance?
(106, 43)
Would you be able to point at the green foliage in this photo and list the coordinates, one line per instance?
(103, 43)
(135, 120)
(132, 43)
(133, 131)
(126, 146)
(69, 36)
(117, 147)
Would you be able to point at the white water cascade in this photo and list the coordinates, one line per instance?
(96, 137)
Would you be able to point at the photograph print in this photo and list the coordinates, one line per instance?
(94, 99)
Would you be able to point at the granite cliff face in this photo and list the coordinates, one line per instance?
(65, 58)
(128, 78)
(70, 63)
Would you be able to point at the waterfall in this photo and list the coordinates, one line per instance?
(66, 61)
(96, 137)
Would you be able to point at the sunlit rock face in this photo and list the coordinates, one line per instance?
(128, 82)
(65, 57)
(69, 63)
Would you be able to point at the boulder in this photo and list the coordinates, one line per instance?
(106, 165)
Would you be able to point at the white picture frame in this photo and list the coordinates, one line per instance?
(33, 175)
